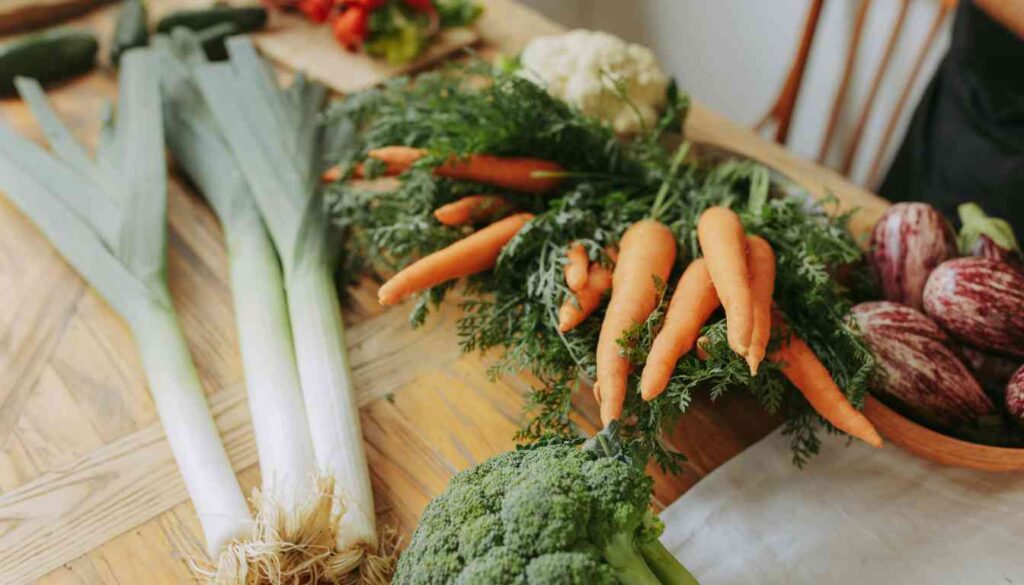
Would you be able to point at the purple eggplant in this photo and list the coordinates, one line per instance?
(908, 242)
(980, 302)
(1015, 395)
(987, 237)
(920, 369)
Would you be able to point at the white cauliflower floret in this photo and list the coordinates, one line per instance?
(583, 68)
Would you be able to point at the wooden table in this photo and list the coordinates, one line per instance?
(89, 492)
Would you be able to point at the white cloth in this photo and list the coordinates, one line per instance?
(853, 515)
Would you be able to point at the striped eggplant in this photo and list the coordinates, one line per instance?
(1015, 395)
(920, 369)
(979, 301)
(908, 242)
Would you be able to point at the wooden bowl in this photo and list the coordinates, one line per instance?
(923, 442)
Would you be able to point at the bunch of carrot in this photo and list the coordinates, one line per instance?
(480, 250)
(736, 272)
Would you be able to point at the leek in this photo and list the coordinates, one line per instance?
(108, 218)
(277, 138)
(295, 534)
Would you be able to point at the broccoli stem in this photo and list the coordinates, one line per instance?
(665, 565)
(627, 562)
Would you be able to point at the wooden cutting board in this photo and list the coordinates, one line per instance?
(301, 45)
(89, 492)
(19, 15)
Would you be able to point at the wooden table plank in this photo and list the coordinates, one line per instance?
(86, 425)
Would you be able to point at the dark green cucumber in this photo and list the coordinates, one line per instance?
(132, 29)
(49, 56)
(246, 18)
(212, 39)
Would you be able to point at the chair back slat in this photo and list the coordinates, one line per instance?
(782, 110)
(852, 51)
(876, 84)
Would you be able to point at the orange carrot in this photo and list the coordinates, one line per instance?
(576, 267)
(513, 173)
(576, 308)
(471, 209)
(470, 255)
(516, 174)
(725, 249)
(647, 250)
(692, 304)
(813, 380)
(761, 264)
(396, 159)
(333, 174)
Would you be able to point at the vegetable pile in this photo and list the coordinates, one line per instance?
(569, 188)
(949, 334)
(395, 30)
(549, 513)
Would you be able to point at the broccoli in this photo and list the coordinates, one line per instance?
(548, 514)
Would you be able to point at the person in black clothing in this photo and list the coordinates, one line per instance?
(966, 138)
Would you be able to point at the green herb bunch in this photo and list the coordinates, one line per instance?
(610, 183)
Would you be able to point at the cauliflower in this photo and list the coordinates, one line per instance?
(551, 514)
(584, 67)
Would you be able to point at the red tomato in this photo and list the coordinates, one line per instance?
(316, 10)
(350, 27)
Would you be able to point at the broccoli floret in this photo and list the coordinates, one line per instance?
(568, 568)
(480, 535)
(500, 566)
(551, 514)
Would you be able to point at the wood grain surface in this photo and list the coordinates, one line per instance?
(89, 493)
(20, 15)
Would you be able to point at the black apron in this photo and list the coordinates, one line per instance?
(966, 138)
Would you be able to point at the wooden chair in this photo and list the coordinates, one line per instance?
(783, 109)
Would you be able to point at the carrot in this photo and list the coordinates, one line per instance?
(647, 250)
(576, 267)
(813, 380)
(470, 255)
(576, 308)
(513, 173)
(725, 249)
(761, 263)
(516, 174)
(692, 304)
(471, 209)
(396, 160)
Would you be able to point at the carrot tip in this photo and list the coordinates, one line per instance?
(872, 438)
(754, 363)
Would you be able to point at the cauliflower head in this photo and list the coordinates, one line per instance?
(551, 514)
(604, 76)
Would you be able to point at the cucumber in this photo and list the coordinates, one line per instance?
(245, 18)
(132, 29)
(212, 39)
(49, 56)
